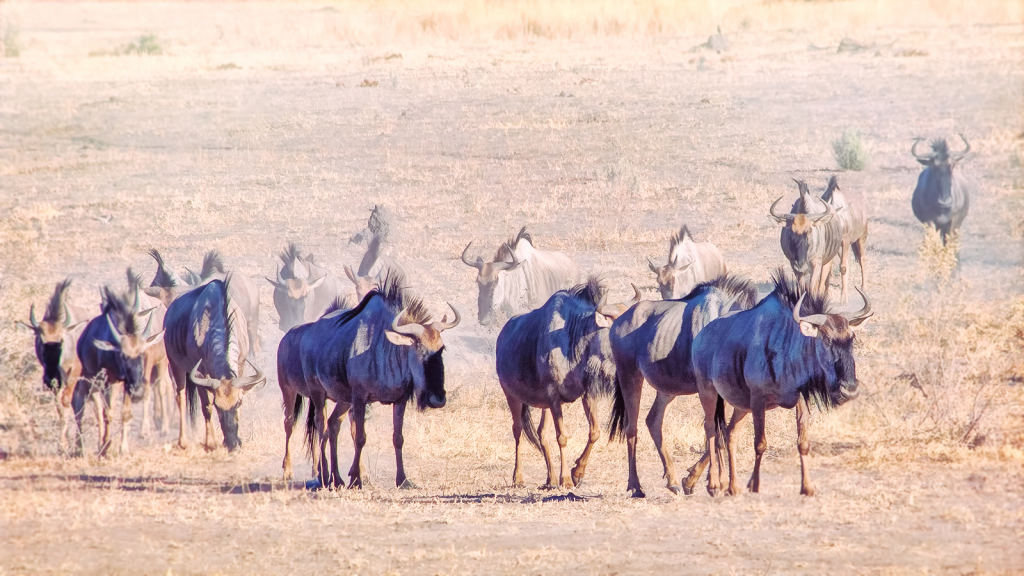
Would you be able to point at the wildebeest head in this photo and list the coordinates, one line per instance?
(797, 226)
(50, 335)
(675, 278)
(293, 287)
(488, 274)
(166, 283)
(834, 334)
(421, 340)
(942, 163)
(126, 339)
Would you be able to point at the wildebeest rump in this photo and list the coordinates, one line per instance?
(651, 341)
(689, 264)
(555, 354)
(942, 195)
(773, 355)
(809, 240)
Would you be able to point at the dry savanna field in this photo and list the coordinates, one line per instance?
(239, 126)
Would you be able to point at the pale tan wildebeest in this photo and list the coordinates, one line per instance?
(689, 264)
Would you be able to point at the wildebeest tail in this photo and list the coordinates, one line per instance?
(617, 421)
(530, 429)
(720, 426)
(191, 399)
(309, 437)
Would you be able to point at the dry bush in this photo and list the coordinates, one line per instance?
(939, 260)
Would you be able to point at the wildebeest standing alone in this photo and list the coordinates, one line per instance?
(555, 354)
(207, 344)
(773, 355)
(55, 339)
(851, 212)
(302, 290)
(520, 278)
(112, 350)
(942, 195)
(809, 240)
(385, 350)
(651, 341)
(689, 264)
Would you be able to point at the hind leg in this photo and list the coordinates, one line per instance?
(516, 407)
(844, 256)
(655, 424)
(562, 437)
(859, 248)
(549, 453)
(289, 398)
(333, 429)
(631, 387)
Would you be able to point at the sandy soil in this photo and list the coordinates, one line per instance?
(264, 123)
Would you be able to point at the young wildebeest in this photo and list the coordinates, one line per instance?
(157, 396)
(769, 356)
(206, 334)
(384, 350)
(942, 195)
(520, 277)
(689, 264)
(553, 355)
(374, 268)
(851, 212)
(302, 290)
(55, 340)
(809, 240)
(112, 349)
(651, 341)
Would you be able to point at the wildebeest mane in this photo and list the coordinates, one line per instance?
(288, 257)
(940, 148)
(590, 292)
(833, 185)
(788, 290)
(395, 298)
(212, 263)
(678, 238)
(163, 278)
(117, 308)
(505, 251)
(335, 306)
(742, 289)
(578, 326)
(55, 308)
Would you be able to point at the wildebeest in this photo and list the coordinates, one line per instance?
(555, 354)
(157, 396)
(851, 212)
(112, 350)
(244, 293)
(166, 284)
(652, 341)
(207, 343)
(809, 240)
(302, 290)
(689, 264)
(520, 277)
(374, 268)
(942, 195)
(377, 225)
(55, 339)
(385, 350)
(774, 355)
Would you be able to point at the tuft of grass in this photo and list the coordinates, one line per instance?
(9, 41)
(939, 260)
(850, 151)
(145, 45)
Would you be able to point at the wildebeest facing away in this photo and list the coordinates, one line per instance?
(555, 354)
(773, 355)
(851, 212)
(809, 240)
(302, 290)
(207, 343)
(942, 195)
(374, 268)
(112, 350)
(377, 225)
(55, 339)
(520, 277)
(156, 379)
(651, 341)
(384, 350)
(689, 264)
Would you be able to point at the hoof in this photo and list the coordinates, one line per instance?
(518, 484)
(713, 491)
(407, 485)
(688, 489)
(807, 491)
(674, 489)
(547, 486)
(313, 484)
(637, 493)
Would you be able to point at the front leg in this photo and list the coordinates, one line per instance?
(398, 418)
(545, 444)
(595, 432)
(803, 417)
(126, 420)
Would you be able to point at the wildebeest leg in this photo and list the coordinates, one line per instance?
(182, 421)
(102, 420)
(730, 439)
(595, 432)
(858, 254)
(545, 444)
(107, 399)
(206, 403)
(288, 402)
(563, 439)
(318, 404)
(80, 396)
(698, 468)
(517, 434)
(844, 256)
(655, 423)
(760, 442)
(163, 395)
(803, 417)
(148, 404)
(333, 428)
(398, 418)
(64, 400)
(358, 418)
(631, 386)
(126, 420)
(709, 401)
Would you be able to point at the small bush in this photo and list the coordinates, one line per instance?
(146, 45)
(939, 260)
(850, 151)
(10, 42)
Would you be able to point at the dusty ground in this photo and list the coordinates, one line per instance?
(263, 123)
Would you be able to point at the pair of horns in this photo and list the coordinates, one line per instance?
(498, 266)
(246, 383)
(416, 330)
(281, 283)
(821, 218)
(956, 157)
(855, 319)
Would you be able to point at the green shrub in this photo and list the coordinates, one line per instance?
(146, 45)
(850, 151)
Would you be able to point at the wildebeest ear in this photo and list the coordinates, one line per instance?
(104, 345)
(808, 329)
(76, 325)
(351, 275)
(925, 161)
(316, 284)
(602, 320)
(399, 339)
(29, 326)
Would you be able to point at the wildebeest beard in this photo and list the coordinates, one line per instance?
(433, 374)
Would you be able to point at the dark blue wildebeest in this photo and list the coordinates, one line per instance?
(651, 341)
(555, 354)
(943, 192)
(112, 349)
(207, 343)
(770, 356)
(387, 350)
(810, 240)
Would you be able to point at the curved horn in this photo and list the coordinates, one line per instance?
(211, 383)
(247, 383)
(823, 217)
(636, 296)
(32, 316)
(913, 150)
(815, 319)
(508, 266)
(138, 302)
(67, 315)
(653, 268)
(779, 216)
(277, 285)
(856, 318)
(412, 329)
(616, 310)
(960, 156)
(453, 323)
(479, 261)
(113, 330)
(148, 324)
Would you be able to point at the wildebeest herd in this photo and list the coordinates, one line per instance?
(190, 341)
